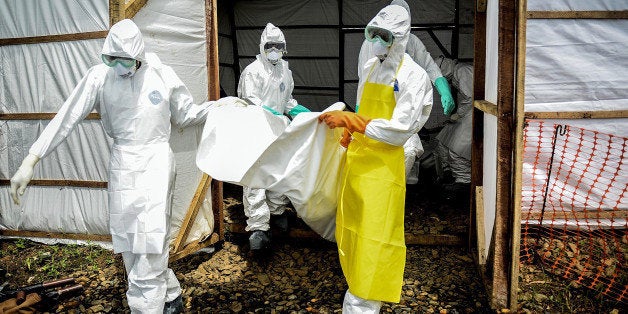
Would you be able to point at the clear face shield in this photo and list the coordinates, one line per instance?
(124, 67)
(274, 51)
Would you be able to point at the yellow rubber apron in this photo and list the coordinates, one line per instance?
(369, 220)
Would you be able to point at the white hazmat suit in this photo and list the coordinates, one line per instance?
(136, 107)
(412, 91)
(454, 140)
(417, 51)
(267, 83)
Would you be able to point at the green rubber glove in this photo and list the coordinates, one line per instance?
(296, 110)
(445, 95)
(273, 111)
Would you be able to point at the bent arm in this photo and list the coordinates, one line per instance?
(414, 104)
(182, 108)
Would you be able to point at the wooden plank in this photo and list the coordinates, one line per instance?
(52, 182)
(609, 114)
(190, 216)
(515, 223)
(486, 107)
(507, 17)
(479, 218)
(132, 7)
(218, 208)
(40, 116)
(193, 247)
(411, 239)
(589, 214)
(213, 64)
(52, 38)
(577, 14)
(116, 11)
(56, 235)
(477, 125)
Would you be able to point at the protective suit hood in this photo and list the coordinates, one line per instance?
(397, 20)
(270, 34)
(124, 40)
(403, 4)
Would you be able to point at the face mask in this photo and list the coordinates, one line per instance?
(124, 72)
(380, 50)
(273, 55)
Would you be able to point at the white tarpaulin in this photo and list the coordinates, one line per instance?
(39, 77)
(302, 163)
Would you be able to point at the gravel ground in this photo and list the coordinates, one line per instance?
(300, 275)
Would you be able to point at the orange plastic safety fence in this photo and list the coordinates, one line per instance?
(575, 205)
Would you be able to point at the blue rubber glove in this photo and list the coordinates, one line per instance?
(273, 111)
(296, 110)
(445, 95)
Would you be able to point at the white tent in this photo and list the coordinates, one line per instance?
(47, 46)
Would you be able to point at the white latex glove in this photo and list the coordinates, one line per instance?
(22, 177)
(230, 100)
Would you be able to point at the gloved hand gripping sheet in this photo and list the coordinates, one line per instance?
(302, 163)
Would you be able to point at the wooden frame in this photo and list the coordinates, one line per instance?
(576, 14)
(119, 10)
(511, 116)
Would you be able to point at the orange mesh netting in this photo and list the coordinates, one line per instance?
(575, 205)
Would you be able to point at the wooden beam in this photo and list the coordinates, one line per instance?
(477, 125)
(218, 208)
(213, 65)
(479, 218)
(56, 235)
(193, 247)
(486, 107)
(608, 114)
(40, 116)
(577, 14)
(190, 216)
(52, 38)
(72, 183)
(132, 7)
(507, 25)
(517, 170)
(116, 11)
(411, 239)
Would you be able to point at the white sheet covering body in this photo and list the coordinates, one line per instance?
(234, 137)
(302, 163)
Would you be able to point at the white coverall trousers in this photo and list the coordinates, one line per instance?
(259, 204)
(151, 282)
(353, 304)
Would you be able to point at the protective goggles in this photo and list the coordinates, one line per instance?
(384, 36)
(278, 46)
(112, 61)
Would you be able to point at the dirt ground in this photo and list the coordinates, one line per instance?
(298, 276)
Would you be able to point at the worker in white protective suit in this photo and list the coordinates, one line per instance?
(417, 51)
(395, 101)
(454, 140)
(137, 97)
(267, 82)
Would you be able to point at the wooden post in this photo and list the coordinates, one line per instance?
(518, 154)
(477, 140)
(505, 111)
(213, 93)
